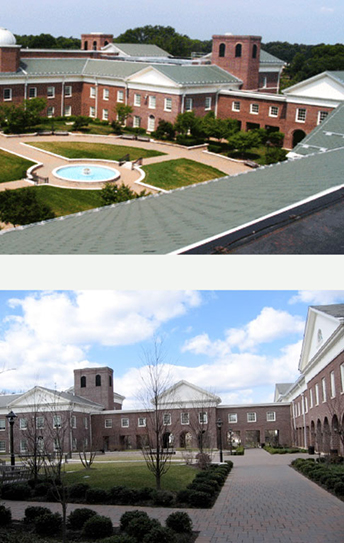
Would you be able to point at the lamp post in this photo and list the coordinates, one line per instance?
(219, 425)
(230, 431)
(10, 417)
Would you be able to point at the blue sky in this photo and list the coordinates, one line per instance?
(237, 344)
(309, 21)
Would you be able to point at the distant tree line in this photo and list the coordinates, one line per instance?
(47, 41)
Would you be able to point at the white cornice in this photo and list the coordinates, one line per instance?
(255, 95)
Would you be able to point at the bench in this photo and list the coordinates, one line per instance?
(61, 133)
(143, 138)
(128, 137)
(251, 164)
(14, 474)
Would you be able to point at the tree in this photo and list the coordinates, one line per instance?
(156, 448)
(165, 130)
(123, 113)
(243, 141)
(186, 123)
(213, 127)
(22, 117)
(23, 207)
(113, 194)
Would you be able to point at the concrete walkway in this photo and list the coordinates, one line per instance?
(263, 501)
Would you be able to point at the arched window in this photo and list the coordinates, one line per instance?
(110, 381)
(86, 45)
(83, 382)
(238, 49)
(98, 381)
(94, 46)
(254, 51)
(106, 43)
(222, 50)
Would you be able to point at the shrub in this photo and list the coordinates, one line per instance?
(97, 527)
(275, 154)
(163, 498)
(96, 495)
(78, 517)
(339, 489)
(53, 493)
(145, 493)
(78, 491)
(160, 534)
(16, 491)
(123, 495)
(139, 527)
(203, 487)
(123, 538)
(41, 489)
(32, 512)
(23, 207)
(5, 516)
(200, 499)
(48, 524)
(184, 496)
(131, 515)
(179, 522)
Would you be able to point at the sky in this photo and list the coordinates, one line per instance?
(234, 343)
(309, 21)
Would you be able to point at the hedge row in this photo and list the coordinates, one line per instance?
(330, 476)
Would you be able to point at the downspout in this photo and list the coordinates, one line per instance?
(62, 96)
(304, 420)
(96, 104)
(216, 102)
(294, 425)
(183, 99)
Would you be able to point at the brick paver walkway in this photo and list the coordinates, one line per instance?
(263, 501)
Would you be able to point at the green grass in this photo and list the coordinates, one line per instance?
(104, 151)
(12, 167)
(173, 174)
(67, 201)
(129, 474)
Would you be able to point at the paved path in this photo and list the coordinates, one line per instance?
(263, 501)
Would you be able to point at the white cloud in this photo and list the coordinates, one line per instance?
(325, 9)
(318, 297)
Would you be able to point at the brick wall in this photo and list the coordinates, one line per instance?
(9, 59)
(245, 66)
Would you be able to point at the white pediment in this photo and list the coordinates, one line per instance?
(184, 394)
(112, 48)
(322, 86)
(38, 399)
(150, 76)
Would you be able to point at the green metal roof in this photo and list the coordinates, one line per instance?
(118, 69)
(142, 50)
(267, 58)
(170, 222)
(328, 135)
(196, 75)
(52, 66)
(338, 74)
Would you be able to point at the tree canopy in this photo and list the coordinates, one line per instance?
(47, 41)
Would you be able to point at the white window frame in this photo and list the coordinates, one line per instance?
(2, 425)
(342, 377)
(310, 398)
(301, 114)
(207, 103)
(136, 121)
(167, 417)
(39, 422)
(184, 418)
(232, 418)
(168, 104)
(92, 113)
(73, 421)
(254, 109)
(251, 416)
(105, 114)
(125, 422)
(236, 105)
(2, 446)
(68, 91)
(86, 423)
(32, 92)
(322, 116)
(108, 423)
(120, 96)
(137, 99)
(23, 446)
(68, 111)
(316, 394)
(50, 111)
(323, 390)
(51, 92)
(151, 102)
(106, 94)
(306, 404)
(273, 111)
(9, 91)
(151, 123)
(142, 422)
(203, 417)
(93, 92)
(333, 384)
(57, 421)
(188, 104)
(270, 416)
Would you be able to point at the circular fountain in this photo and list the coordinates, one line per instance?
(86, 173)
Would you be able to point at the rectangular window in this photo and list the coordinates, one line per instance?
(233, 417)
(2, 446)
(152, 102)
(323, 388)
(151, 123)
(92, 111)
(2, 424)
(40, 443)
(321, 116)
(141, 422)
(39, 423)
(333, 384)
(32, 92)
(23, 445)
(236, 106)
(184, 418)
(105, 94)
(7, 94)
(271, 416)
(125, 423)
(50, 111)
(207, 106)
(188, 104)
(68, 111)
(136, 121)
(316, 394)
(168, 104)
(251, 417)
(203, 418)
(57, 421)
(167, 419)
(105, 114)
(68, 91)
(86, 422)
(301, 115)
(120, 96)
(108, 423)
(273, 111)
(73, 421)
(342, 377)
(137, 99)
(92, 92)
(51, 92)
(306, 404)
(23, 424)
(298, 409)
(254, 109)
(310, 398)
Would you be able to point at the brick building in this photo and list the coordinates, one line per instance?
(237, 80)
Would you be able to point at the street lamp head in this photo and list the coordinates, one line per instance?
(219, 423)
(11, 416)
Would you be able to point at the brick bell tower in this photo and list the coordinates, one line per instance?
(94, 41)
(95, 384)
(240, 56)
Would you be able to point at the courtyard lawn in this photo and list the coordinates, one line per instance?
(129, 474)
(12, 167)
(174, 174)
(104, 151)
(67, 201)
